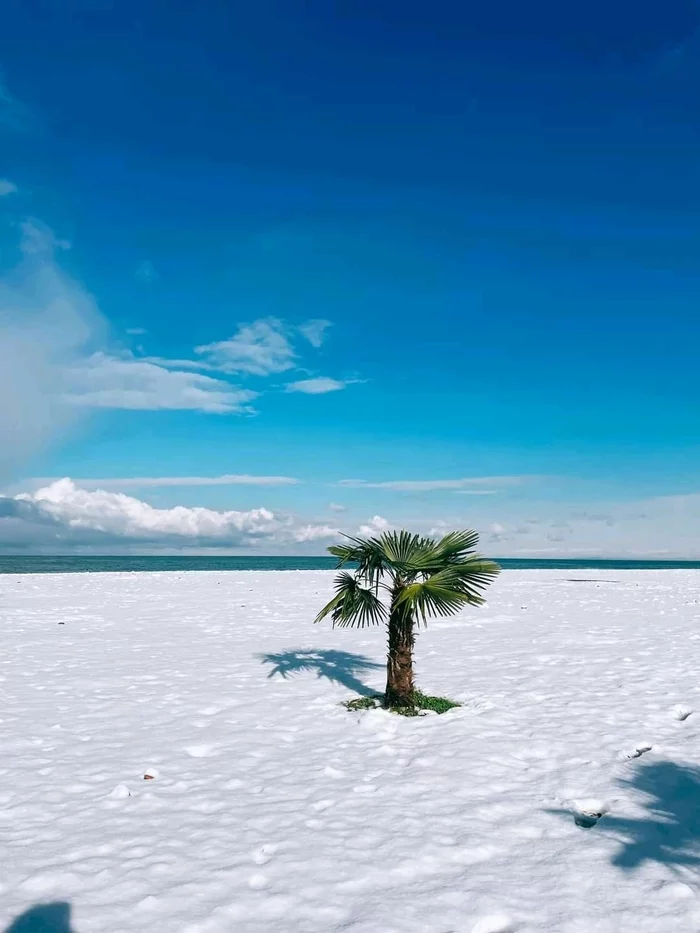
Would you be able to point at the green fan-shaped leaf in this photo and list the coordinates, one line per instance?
(353, 605)
(446, 592)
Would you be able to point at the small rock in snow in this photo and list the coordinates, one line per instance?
(681, 712)
(588, 812)
(637, 751)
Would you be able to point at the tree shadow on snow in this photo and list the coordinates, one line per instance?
(342, 667)
(669, 832)
(43, 918)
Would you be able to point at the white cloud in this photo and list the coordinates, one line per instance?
(476, 492)
(227, 479)
(315, 331)
(136, 331)
(146, 271)
(258, 349)
(309, 533)
(336, 507)
(375, 526)
(39, 240)
(167, 363)
(7, 187)
(55, 359)
(104, 381)
(317, 386)
(47, 322)
(64, 514)
(429, 485)
(119, 514)
(50, 370)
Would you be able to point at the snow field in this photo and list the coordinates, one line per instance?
(268, 807)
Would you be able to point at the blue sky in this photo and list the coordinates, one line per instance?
(494, 209)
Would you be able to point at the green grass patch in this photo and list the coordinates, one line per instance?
(373, 702)
(420, 703)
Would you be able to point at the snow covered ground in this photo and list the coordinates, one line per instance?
(271, 808)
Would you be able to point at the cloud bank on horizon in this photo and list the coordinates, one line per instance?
(65, 517)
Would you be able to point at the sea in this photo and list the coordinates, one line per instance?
(136, 564)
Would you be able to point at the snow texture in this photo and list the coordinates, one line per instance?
(175, 758)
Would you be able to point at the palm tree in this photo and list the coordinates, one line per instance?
(421, 577)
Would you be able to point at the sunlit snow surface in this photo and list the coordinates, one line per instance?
(269, 807)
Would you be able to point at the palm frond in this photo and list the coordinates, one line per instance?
(457, 545)
(369, 556)
(475, 571)
(353, 604)
(448, 590)
(346, 553)
(399, 546)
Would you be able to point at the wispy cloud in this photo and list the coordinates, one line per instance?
(136, 331)
(38, 239)
(104, 381)
(55, 359)
(431, 485)
(315, 331)
(319, 385)
(179, 363)
(476, 492)
(259, 349)
(47, 323)
(227, 479)
(263, 348)
(7, 187)
(336, 507)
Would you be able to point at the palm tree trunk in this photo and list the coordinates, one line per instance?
(399, 665)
